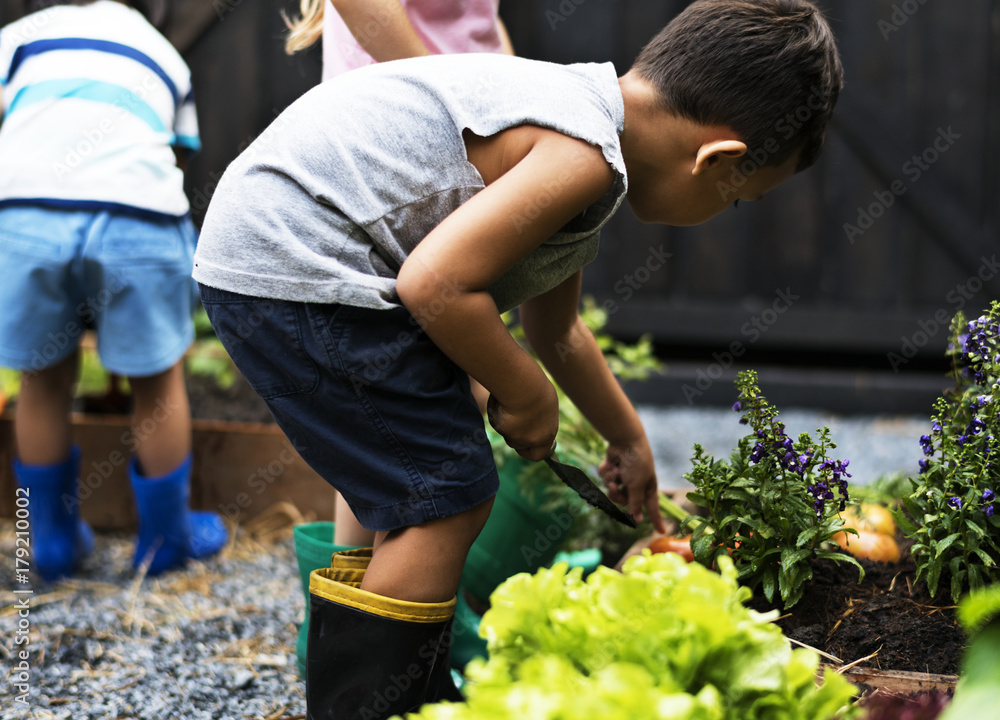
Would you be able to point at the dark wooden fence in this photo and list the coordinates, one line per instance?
(871, 270)
(861, 260)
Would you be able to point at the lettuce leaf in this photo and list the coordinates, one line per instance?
(664, 639)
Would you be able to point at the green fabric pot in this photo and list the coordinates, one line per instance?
(313, 549)
(518, 537)
(465, 641)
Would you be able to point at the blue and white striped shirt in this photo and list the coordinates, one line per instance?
(93, 99)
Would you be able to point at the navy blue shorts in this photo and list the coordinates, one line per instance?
(368, 400)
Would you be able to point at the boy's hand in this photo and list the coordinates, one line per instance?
(631, 478)
(529, 422)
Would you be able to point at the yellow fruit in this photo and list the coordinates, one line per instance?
(870, 517)
(867, 544)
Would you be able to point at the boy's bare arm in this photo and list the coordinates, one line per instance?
(381, 28)
(444, 280)
(569, 351)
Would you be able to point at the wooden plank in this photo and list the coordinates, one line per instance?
(843, 392)
(958, 234)
(759, 322)
(897, 682)
(240, 469)
(190, 19)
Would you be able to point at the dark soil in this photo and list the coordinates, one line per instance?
(237, 403)
(888, 614)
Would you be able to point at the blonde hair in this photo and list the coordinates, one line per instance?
(307, 29)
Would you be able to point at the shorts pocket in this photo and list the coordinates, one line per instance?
(32, 247)
(131, 241)
(264, 339)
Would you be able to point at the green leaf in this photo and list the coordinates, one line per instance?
(843, 558)
(768, 583)
(698, 499)
(933, 576)
(791, 557)
(943, 545)
(975, 578)
(807, 536)
(957, 585)
(903, 520)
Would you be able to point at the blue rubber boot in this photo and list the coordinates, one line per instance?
(167, 528)
(59, 536)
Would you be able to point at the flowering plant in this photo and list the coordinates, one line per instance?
(773, 505)
(951, 513)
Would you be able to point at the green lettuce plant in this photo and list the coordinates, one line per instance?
(773, 506)
(663, 639)
(950, 512)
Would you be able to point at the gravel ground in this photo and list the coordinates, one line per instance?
(216, 640)
(874, 445)
(213, 641)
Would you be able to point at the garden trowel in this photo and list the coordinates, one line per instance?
(587, 489)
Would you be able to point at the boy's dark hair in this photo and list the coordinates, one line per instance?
(767, 69)
(155, 11)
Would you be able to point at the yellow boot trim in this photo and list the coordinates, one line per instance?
(356, 559)
(351, 564)
(327, 584)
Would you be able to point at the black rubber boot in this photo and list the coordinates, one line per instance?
(370, 657)
(442, 684)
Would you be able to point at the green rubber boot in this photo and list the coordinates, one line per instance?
(313, 549)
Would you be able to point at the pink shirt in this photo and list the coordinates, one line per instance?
(445, 26)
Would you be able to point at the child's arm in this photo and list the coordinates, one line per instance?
(381, 28)
(444, 281)
(569, 351)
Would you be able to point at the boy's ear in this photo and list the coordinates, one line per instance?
(710, 154)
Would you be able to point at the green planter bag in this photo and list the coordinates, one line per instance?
(313, 548)
(518, 537)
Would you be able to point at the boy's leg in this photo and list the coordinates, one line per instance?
(48, 468)
(161, 421)
(169, 533)
(423, 563)
(41, 420)
(347, 531)
(402, 613)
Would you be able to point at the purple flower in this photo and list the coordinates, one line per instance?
(737, 406)
(976, 426)
(988, 496)
(927, 444)
(757, 453)
(821, 493)
(924, 465)
(955, 503)
(935, 427)
(989, 511)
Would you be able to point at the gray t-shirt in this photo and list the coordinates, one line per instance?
(326, 204)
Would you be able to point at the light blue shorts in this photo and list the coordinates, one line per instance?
(63, 271)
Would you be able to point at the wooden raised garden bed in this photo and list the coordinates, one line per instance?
(240, 469)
